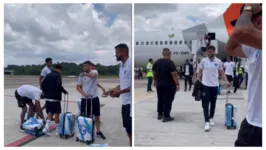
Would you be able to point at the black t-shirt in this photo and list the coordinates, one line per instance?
(163, 69)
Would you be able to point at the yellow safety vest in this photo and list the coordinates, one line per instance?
(149, 73)
(238, 70)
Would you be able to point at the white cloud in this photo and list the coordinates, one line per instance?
(168, 16)
(65, 32)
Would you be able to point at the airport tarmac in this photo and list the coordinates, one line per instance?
(187, 129)
(110, 115)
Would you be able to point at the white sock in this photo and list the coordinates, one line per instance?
(57, 128)
(47, 126)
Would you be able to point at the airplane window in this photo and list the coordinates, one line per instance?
(151, 42)
(142, 43)
(175, 42)
(156, 43)
(165, 43)
(185, 42)
(161, 43)
(137, 43)
(147, 43)
(180, 42)
(170, 42)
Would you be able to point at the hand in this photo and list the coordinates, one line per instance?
(66, 92)
(115, 93)
(103, 90)
(227, 84)
(177, 87)
(85, 95)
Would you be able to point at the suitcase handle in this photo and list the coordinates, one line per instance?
(86, 108)
(65, 103)
(226, 97)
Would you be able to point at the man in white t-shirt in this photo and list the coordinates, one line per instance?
(45, 71)
(24, 95)
(210, 67)
(124, 88)
(87, 87)
(248, 31)
(229, 71)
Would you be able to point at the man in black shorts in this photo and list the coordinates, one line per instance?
(24, 95)
(124, 89)
(87, 87)
(53, 89)
(229, 71)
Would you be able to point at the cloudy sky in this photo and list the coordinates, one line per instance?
(149, 17)
(65, 32)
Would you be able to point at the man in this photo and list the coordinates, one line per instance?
(246, 42)
(188, 74)
(24, 95)
(53, 89)
(166, 81)
(210, 67)
(229, 71)
(239, 72)
(246, 73)
(45, 71)
(87, 87)
(124, 89)
(149, 75)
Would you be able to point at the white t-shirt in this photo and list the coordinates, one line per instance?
(210, 72)
(125, 78)
(89, 85)
(45, 72)
(187, 70)
(229, 68)
(30, 92)
(254, 90)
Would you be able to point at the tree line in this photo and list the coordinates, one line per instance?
(68, 69)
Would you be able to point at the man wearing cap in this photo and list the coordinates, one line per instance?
(53, 89)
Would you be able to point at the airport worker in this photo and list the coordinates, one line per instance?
(53, 89)
(166, 81)
(87, 87)
(188, 74)
(24, 95)
(229, 71)
(210, 67)
(239, 71)
(124, 88)
(149, 75)
(246, 42)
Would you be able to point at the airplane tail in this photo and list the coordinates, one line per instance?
(231, 15)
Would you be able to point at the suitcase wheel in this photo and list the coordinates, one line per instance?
(35, 128)
(77, 139)
(88, 142)
(66, 136)
(228, 127)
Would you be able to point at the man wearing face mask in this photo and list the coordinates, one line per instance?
(210, 67)
(246, 42)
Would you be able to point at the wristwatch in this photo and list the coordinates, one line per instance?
(248, 8)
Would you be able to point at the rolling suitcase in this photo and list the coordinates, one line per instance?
(219, 89)
(85, 126)
(67, 121)
(33, 126)
(230, 114)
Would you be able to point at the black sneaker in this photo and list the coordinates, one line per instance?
(159, 117)
(167, 119)
(100, 134)
(21, 127)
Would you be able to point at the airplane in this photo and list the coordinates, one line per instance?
(184, 43)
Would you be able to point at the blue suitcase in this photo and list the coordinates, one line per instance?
(230, 115)
(67, 121)
(33, 126)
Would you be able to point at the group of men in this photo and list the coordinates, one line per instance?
(51, 90)
(245, 42)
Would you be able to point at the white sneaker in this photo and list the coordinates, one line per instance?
(207, 126)
(212, 122)
(46, 131)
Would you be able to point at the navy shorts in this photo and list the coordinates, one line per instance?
(22, 101)
(53, 107)
(95, 106)
(127, 120)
